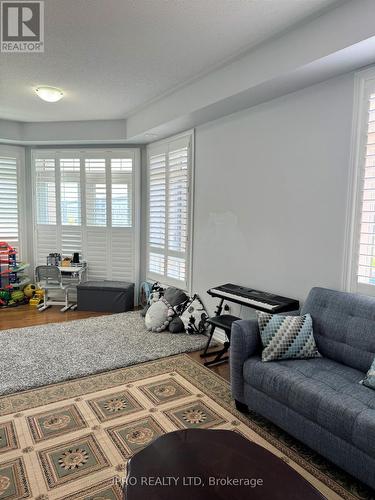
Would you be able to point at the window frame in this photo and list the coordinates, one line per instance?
(153, 277)
(364, 85)
(19, 153)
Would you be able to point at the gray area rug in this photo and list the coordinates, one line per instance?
(45, 354)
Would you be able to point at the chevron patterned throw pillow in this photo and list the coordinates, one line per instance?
(369, 380)
(287, 337)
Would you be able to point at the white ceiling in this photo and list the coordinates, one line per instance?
(112, 56)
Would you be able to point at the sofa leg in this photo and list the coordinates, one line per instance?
(241, 407)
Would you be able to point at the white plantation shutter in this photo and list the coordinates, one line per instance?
(9, 226)
(122, 252)
(169, 207)
(70, 205)
(122, 192)
(70, 192)
(157, 212)
(177, 212)
(97, 248)
(366, 224)
(46, 237)
(12, 194)
(122, 217)
(97, 252)
(96, 192)
(84, 202)
(46, 241)
(45, 180)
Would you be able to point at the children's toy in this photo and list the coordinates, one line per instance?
(5, 295)
(54, 259)
(29, 290)
(37, 298)
(17, 296)
(157, 291)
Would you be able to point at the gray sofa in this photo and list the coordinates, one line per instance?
(319, 401)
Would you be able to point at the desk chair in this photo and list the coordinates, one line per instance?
(50, 278)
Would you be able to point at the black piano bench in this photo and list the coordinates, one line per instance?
(225, 323)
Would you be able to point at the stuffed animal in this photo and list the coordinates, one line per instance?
(157, 291)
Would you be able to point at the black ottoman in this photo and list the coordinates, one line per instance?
(105, 296)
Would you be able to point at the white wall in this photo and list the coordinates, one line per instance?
(271, 193)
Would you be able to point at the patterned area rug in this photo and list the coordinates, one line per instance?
(72, 440)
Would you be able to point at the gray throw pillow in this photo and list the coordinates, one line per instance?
(286, 337)
(369, 380)
(158, 316)
(175, 296)
(176, 325)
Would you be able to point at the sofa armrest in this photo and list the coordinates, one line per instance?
(245, 342)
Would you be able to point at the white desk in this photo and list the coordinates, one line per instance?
(76, 273)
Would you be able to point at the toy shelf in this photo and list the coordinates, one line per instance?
(12, 279)
(22, 283)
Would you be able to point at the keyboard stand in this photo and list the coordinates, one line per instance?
(224, 322)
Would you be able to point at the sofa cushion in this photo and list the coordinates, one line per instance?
(344, 326)
(323, 391)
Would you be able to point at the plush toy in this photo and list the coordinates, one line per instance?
(157, 291)
(154, 297)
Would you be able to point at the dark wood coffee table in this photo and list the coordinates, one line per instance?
(212, 464)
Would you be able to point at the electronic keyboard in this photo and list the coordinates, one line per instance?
(264, 301)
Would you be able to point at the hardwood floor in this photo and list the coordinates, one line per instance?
(18, 317)
(222, 370)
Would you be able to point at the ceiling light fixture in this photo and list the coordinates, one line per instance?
(49, 94)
